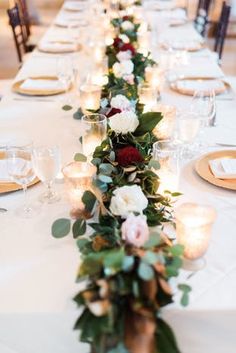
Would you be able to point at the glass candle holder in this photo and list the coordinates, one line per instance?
(165, 153)
(90, 96)
(94, 132)
(164, 130)
(193, 228)
(147, 96)
(98, 53)
(154, 77)
(78, 179)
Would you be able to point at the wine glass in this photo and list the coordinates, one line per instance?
(20, 170)
(204, 104)
(65, 73)
(188, 125)
(46, 162)
(94, 132)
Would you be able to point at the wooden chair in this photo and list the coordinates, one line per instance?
(17, 29)
(201, 19)
(221, 30)
(24, 15)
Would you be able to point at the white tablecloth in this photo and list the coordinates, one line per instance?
(37, 272)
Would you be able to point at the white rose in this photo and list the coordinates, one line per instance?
(124, 55)
(128, 199)
(127, 26)
(124, 122)
(124, 38)
(125, 67)
(120, 102)
(129, 79)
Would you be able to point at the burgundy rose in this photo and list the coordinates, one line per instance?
(117, 42)
(128, 156)
(128, 46)
(112, 111)
(126, 18)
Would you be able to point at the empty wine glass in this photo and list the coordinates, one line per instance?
(65, 72)
(47, 162)
(20, 170)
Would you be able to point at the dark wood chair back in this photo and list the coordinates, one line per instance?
(221, 30)
(24, 15)
(15, 23)
(201, 19)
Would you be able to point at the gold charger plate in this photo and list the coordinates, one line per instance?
(190, 92)
(204, 171)
(17, 87)
(8, 186)
(197, 47)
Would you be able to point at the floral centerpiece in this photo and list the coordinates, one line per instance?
(127, 260)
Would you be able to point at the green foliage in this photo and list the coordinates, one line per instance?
(147, 122)
(79, 228)
(80, 157)
(61, 227)
(166, 342)
(89, 200)
(145, 271)
(67, 107)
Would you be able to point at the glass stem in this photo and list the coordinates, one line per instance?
(25, 196)
(49, 189)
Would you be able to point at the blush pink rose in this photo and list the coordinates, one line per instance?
(135, 230)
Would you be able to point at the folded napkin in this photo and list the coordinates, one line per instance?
(223, 168)
(42, 84)
(189, 45)
(3, 170)
(201, 85)
(57, 47)
(73, 6)
(164, 5)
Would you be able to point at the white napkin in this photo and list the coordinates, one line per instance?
(201, 85)
(223, 168)
(186, 45)
(73, 6)
(41, 84)
(164, 5)
(57, 47)
(3, 170)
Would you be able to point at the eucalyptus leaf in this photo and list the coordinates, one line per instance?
(106, 168)
(67, 107)
(80, 157)
(165, 338)
(150, 257)
(79, 228)
(128, 263)
(177, 250)
(105, 179)
(153, 163)
(78, 115)
(61, 227)
(154, 240)
(145, 271)
(96, 161)
(89, 200)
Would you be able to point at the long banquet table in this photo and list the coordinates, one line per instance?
(37, 272)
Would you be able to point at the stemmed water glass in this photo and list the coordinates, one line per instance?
(20, 170)
(188, 125)
(65, 72)
(47, 162)
(204, 105)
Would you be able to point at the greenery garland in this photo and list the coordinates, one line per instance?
(127, 260)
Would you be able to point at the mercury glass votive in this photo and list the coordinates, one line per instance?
(78, 179)
(148, 96)
(90, 96)
(154, 77)
(94, 132)
(165, 153)
(193, 228)
(99, 53)
(165, 128)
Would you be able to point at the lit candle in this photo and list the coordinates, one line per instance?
(154, 77)
(89, 144)
(90, 96)
(78, 179)
(165, 153)
(165, 128)
(147, 96)
(98, 53)
(193, 228)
